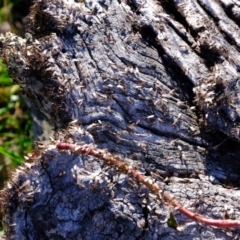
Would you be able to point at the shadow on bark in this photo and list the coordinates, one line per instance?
(155, 82)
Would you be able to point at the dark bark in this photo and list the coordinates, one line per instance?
(154, 82)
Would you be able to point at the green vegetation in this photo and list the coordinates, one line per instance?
(15, 121)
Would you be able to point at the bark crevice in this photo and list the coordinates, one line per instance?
(154, 82)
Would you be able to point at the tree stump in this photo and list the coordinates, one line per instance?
(155, 83)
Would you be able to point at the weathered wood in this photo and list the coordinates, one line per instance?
(153, 82)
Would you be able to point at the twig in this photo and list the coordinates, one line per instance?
(123, 167)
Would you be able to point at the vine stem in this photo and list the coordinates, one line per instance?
(123, 167)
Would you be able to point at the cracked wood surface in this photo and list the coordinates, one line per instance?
(156, 83)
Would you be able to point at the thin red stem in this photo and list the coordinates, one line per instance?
(119, 164)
